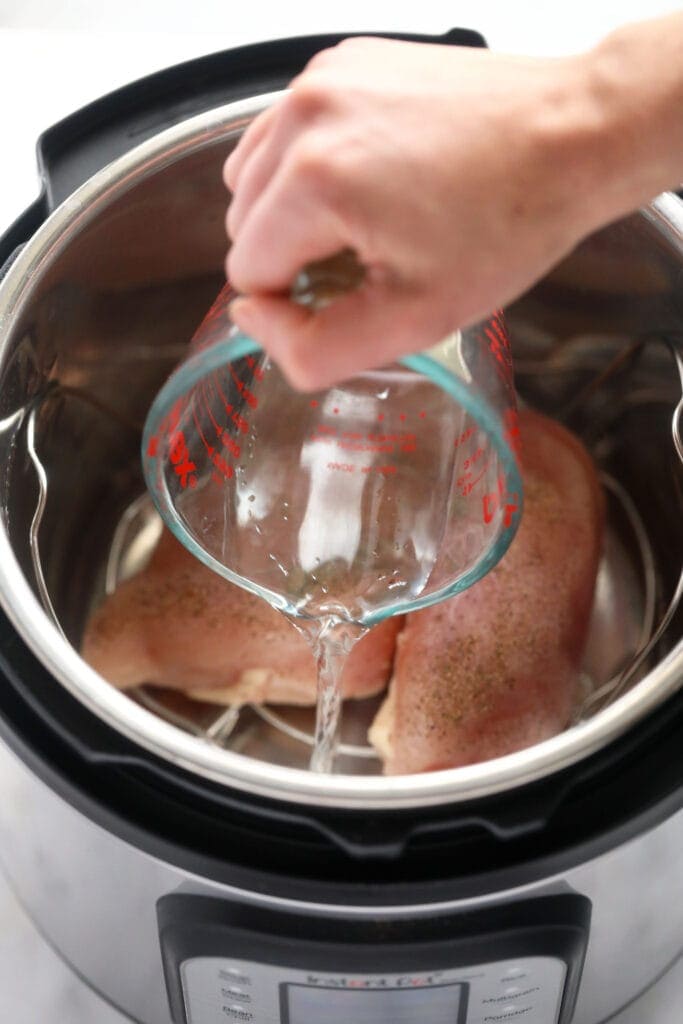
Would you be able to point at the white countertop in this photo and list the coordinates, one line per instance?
(57, 56)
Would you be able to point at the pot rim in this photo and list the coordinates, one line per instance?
(146, 729)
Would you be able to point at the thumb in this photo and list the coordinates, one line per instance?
(359, 331)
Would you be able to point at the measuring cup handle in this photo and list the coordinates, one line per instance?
(321, 282)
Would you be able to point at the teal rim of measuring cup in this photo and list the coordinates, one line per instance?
(238, 345)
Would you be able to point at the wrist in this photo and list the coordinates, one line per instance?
(569, 146)
(633, 96)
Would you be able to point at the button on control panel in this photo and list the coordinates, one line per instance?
(236, 993)
(513, 973)
(528, 991)
(236, 1013)
(234, 975)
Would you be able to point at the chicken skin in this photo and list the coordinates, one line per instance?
(177, 624)
(497, 668)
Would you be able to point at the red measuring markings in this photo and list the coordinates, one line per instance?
(357, 441)
(216, 458)
(248, 396)
(467, 482)
(499, 342)
(228, 443)
(500, 499)
(257, 370)
(167, 425)
(347, 467)
(474, 458)
(183, 466)
(207, 405)
(231, 445)
(465, 436)
(512, 433)
(205, 395)
(221, 433)
(239, 421)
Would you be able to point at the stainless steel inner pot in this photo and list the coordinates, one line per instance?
(98, 307)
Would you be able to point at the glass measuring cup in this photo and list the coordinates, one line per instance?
(384, 494)
(379, 496)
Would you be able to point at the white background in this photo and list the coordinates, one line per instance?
(56, 55)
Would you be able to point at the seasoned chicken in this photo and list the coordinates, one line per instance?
(497, 668)
(177, 624)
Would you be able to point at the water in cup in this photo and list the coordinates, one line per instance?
(372, 498)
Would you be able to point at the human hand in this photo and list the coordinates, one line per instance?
(458, 176)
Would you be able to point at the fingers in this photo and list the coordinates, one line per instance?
(290, 224)
(259, 164)
(357, 332)
(246, 145)
(281, 216)
(250, 167)
(256, 172)
(261, 125)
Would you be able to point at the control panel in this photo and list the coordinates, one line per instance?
(234, 962)
(219, 991)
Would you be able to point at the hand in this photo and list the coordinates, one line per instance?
(458, 176)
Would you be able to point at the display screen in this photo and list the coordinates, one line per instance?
(315, 1004)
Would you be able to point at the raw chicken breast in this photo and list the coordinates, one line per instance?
(496, 668)
(177, 624)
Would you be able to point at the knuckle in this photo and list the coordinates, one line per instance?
(355, 44)
(323, 58)
(350, 157)
(324, 171)
(349, 45)
(309, 96)
(313, 163)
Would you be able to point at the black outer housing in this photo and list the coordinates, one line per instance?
(326, 855)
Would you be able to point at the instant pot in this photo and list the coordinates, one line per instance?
(178, 855)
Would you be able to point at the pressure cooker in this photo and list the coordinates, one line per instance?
(179, 856)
